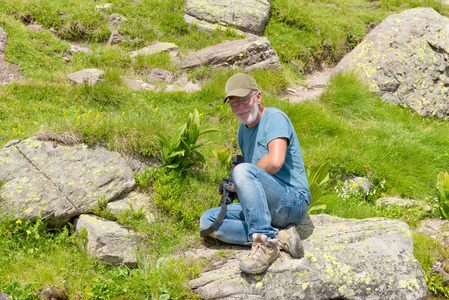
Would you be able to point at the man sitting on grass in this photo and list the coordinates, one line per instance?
(271, 185)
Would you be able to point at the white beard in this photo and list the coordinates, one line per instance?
(253, 113)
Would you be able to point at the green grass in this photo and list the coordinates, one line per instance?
(349, 128)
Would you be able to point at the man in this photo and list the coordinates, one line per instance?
(271, 185)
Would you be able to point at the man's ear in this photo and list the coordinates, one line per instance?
(258, 98)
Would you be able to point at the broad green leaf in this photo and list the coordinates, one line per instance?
(317, 206)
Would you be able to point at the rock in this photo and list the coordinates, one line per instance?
(171, 48)
(9, 73)
(405, 61)
(251, 53)
(436, 229)
(75, 49)
(35, 27)
(191, 87)
(104, 7)
(43, 179)
(245, 16)
(108, 241)
(362, 183)
(160, 75)
(437, 267)
(117, 19)
(389, 201)
(135, 201)
(345, 259)
(87, 76)
(132, 84)
(4, 296)
(116, 38)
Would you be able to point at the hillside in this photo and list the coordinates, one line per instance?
(348, 127)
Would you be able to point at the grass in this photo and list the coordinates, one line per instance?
(349, 128)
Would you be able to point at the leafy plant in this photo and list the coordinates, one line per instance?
(180, 152)
(224, 156)
(317, 176)
(443, 189)
(18, 291)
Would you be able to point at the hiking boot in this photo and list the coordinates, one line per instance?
(263, 253)
(289, 241)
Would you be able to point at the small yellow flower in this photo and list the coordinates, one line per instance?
(28, 232)
(18, 222)
(123, 113)
(361, 181)
(354, 185)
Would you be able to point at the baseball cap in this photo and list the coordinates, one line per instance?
(239, 85)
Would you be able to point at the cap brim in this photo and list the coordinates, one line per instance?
(237, 93)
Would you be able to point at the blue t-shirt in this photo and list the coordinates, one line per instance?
(254, 145)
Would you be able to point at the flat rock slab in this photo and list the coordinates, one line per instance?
(405, 61)
(56, 182)
(345, 259)
(108, 241)
(245, 16)
(250, 54)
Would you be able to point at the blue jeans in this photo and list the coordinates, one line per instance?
(265, 205)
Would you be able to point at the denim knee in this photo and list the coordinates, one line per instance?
(207, 219)
(242, 173)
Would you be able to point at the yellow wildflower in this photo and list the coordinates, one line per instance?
(18, 222)
(28, 232)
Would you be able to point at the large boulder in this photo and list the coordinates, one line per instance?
(244, 16)
(8, 72)
(250, 54)
(56, 182)
(405, 60)
(345, 259)
(108, 241)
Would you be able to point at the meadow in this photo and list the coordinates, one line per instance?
(348, 128)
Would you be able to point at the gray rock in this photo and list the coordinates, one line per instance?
(136, 202)
(405, 61)
(57, 182)
(35, 27)
(108, 241)
(250, 54)
(171, 48)
(4, 296)
(345, 259)
(87, 76)
(132, 84)
(75, 49)
(436, 229)
(117, 19)
(9, 72)
(408, 203)
(116, 38)
(104, 7)
(245, 16)
(362, 183)
(160, 75)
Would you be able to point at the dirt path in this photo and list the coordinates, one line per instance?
(315, 83)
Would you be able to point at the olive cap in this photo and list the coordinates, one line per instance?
(239, 85)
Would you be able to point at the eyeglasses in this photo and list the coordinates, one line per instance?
(244, 101)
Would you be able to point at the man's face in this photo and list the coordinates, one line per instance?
(245, 109)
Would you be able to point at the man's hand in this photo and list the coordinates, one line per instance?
(274, 160)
